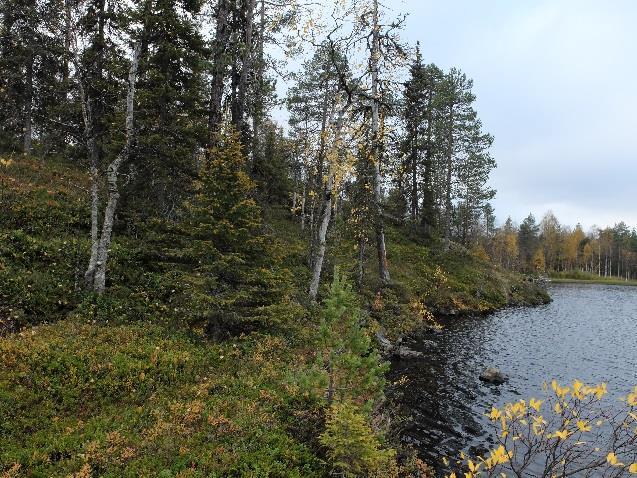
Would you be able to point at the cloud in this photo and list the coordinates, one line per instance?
(555, 85)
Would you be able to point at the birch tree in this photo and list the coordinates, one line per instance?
(104, 243)
(334, 163)
(95, 275)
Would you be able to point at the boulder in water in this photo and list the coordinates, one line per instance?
(494, 376)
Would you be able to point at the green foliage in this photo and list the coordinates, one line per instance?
(142, 400)
(351, 369)
(40, 214)
(124, 389)
(31, 86)
(350, 375)
(170, 98)
(353, 447)
(270, 168)
(229, 273)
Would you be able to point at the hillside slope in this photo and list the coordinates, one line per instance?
(130, 384)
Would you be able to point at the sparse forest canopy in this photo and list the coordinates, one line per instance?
(137, 93)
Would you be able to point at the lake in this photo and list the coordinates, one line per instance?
(588, 332)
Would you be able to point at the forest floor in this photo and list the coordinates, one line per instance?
(122, 386)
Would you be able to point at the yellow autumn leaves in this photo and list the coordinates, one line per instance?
(579, 390)
(569, 418)
(631, 399)
(497, 456)
(613, 460)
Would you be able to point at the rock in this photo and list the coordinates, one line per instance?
(430, 344)
(395, 350)
(494, 376)
(406, 353)
(383, 341)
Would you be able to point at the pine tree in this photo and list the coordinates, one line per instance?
(472, 190)
(421, 117)
(351, 370)
(456, 99)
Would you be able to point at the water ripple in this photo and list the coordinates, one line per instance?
(588, 332)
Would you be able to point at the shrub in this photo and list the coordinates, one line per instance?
(570, 432)
(353, 447)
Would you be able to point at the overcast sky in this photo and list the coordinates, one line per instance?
(556, 86)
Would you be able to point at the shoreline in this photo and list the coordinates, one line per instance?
(620, 282)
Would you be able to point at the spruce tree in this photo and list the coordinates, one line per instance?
(31, 53)
(528, 241)
(235, 284)
(170, 127)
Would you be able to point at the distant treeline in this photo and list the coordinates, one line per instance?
(549, 246)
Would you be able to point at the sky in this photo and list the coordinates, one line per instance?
(556, 82)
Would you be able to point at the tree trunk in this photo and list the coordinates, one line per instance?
(91, 146)
(318, 186)
(303, 208)
(89, 275)
(99, 284)
(361, 260)
(383, 271)
(448, 203)
(28, 106)
(88, 116)
(427, 188)
(67, 42)
(258, 111)
(246, 65)
(322, 238)
(219, 65)
(326, 215)
(414, 177)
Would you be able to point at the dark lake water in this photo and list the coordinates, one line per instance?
(588, 332)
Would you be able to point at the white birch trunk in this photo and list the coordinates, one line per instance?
(91, 146)
(99, 284)
(303, 208)
(326, 214)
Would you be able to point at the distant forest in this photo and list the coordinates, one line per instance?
(550, 246)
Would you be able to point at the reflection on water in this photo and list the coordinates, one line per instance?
(588, 332)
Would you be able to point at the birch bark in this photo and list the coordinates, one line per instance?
(99, 283)
(326, 211)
